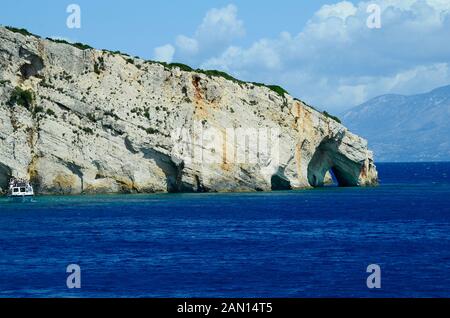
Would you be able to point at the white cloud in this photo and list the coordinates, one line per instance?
(220, 26)
(187, 45)
(261, 54)
(164, 53)
(341, 10)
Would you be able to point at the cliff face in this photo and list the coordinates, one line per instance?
(77, 120)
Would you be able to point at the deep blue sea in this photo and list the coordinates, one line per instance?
(311, 243)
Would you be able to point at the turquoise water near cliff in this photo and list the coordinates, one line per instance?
(313, 243)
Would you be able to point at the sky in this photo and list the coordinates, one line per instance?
(322, 52)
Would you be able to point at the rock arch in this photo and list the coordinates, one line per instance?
(329, 158)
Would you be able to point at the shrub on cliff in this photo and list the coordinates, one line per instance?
(216, 73)
(78, 45)
(278, 89)
(21, 97)
(51, 113)
(82, 46)
(21, 31)
(332, 117)
(181, 66)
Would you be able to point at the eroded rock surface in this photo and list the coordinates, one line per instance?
(101, 122)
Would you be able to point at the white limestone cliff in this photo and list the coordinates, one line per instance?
(102, 122)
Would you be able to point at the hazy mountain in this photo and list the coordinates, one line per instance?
(405, 128)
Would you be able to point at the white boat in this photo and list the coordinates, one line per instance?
(19, 188)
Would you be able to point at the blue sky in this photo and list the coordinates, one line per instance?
(320, 51)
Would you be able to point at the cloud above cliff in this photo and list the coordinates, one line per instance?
(335, 61)
(164, 53)
(219, 28)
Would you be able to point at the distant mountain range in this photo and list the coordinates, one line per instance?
(405, 128)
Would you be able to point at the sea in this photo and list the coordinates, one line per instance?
(308, 243)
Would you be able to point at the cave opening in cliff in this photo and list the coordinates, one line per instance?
(329, 167)
(280, 184)
(33, 67)
(330, 179)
